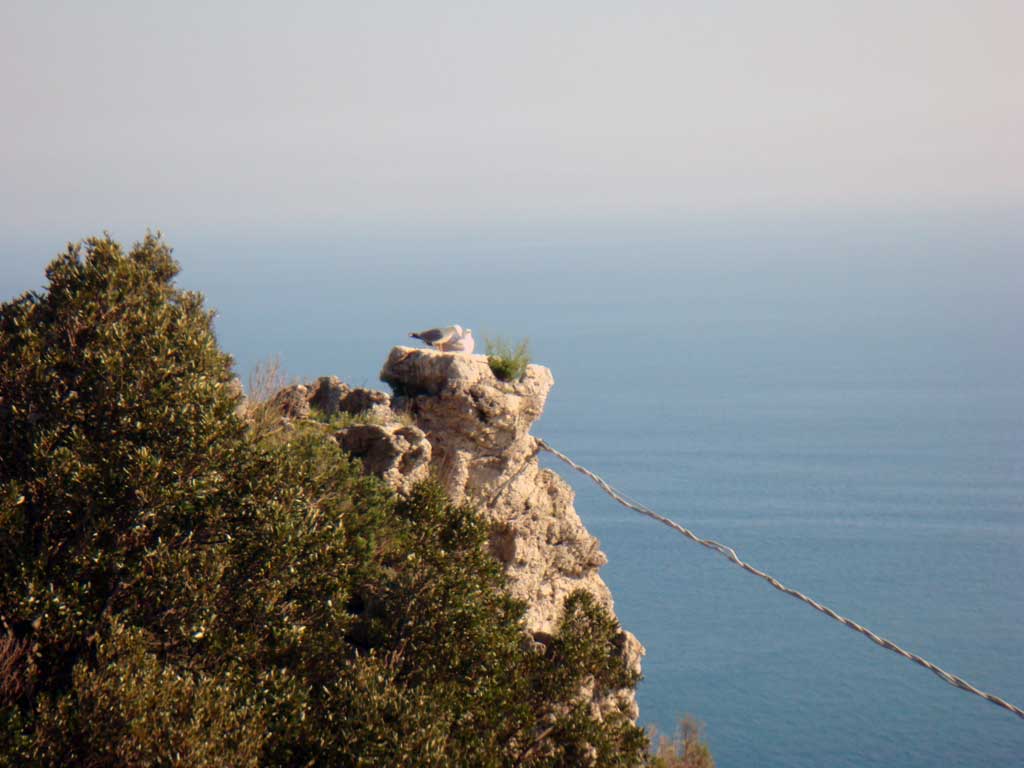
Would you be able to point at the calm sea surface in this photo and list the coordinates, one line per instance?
(844, 406)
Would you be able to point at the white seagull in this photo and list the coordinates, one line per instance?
(448, 339)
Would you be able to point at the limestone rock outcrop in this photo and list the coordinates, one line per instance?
(292, 401)
(451, 417)
(361, 400)
(479, 432)
(398, 453)
(326, 394)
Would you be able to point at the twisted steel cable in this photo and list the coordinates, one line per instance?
(730, 554)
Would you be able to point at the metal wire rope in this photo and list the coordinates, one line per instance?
(730, 554)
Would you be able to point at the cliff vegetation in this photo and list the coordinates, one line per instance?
(181, 585)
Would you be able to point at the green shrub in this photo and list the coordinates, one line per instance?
(149, 710)
(508, 363)
(118, 444)
(345, 419)
(179, 589)
(687, 749)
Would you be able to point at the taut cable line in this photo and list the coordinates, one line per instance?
(730, 554)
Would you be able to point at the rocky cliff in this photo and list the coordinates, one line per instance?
(450, 416)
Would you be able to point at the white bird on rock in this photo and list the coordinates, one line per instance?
(463, 343)
(448, 339)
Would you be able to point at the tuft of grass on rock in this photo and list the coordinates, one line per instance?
(508, 363)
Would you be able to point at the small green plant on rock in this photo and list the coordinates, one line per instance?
(508, 363)
(373, 416)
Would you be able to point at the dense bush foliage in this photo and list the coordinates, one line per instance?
(175, 591)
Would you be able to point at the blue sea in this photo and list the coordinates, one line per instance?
(839, 399)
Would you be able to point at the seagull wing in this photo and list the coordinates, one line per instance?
(463, 342)
(436, 336)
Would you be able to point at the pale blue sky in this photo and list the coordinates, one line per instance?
(206, 116)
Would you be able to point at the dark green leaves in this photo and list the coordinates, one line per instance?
(175, 590)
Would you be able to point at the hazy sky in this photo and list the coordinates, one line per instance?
(218, 116)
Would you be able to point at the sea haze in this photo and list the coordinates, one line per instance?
(841, 400)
